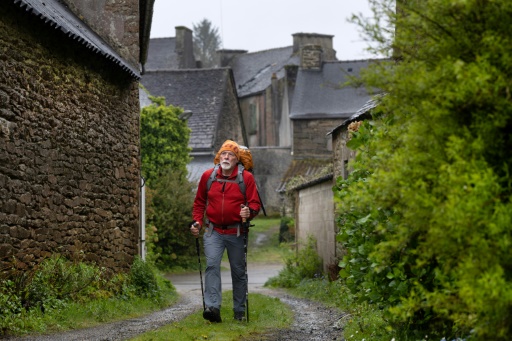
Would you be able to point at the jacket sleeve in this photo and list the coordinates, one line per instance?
(199, 206)
(251, 193)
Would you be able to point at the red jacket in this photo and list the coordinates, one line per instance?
(223, 200)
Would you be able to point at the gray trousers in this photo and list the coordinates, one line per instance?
(214, 246)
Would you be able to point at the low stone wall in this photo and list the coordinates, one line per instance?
(69, 149)
(270, 165)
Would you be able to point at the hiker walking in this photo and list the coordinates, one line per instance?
(221, 204)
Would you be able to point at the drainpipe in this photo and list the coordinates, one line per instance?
(142, 228)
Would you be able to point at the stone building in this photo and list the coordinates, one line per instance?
(69, 129)
(319, 105)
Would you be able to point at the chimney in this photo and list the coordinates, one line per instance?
(311, 57)
(323, 40)
(225, 57)
(185, 48)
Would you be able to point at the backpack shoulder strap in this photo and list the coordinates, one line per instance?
(212, 177)
(240, 179)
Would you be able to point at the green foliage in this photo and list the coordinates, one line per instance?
(426, 216)
(164, 140)
(286, 230)
(143, 278)
(304, 264)
(61, 294)
(172, 203)
(206, 43)
(164, 144)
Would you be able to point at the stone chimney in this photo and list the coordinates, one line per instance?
(324, 41)
(185, 48)
(311, 57)
(225, 57)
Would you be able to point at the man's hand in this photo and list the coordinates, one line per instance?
(245, 213)
(195, 228)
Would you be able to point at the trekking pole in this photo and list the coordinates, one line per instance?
(199, 261)
(246, 238)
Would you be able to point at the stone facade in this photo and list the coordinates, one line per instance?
(310, 139)
(270, 163)
(116, 21)
(69, 148)
(341, 153)
(311, 57)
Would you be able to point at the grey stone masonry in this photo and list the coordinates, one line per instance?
(69, 149)
(311, 57)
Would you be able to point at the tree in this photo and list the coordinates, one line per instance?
(165, 154)
(164, 139)
(427, 215)
(206, 42)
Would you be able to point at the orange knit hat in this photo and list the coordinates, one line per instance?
(231, 146)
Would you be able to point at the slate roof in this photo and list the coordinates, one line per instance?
(198, 90)
(318, 93)
(253, 71)
(58, 15)
(362, 114)
(312, 171)
(162, 55)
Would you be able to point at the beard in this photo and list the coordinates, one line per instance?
(225, 165)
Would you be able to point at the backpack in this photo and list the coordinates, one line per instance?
(245, 163)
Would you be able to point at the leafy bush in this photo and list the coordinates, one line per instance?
(286, 230)
(165, 154)
(302, 265)
(142, 278)
(427, 218)
(34, 299)
(172, 204)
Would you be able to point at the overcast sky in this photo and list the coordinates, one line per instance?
(266, 24)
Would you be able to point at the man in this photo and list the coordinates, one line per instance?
(221, 210)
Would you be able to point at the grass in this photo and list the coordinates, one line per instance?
(77, 316)
(266, 313)
(264, 242)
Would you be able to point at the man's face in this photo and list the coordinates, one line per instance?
(228, 160)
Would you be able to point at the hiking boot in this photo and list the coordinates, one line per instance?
(212, 314)
(240, 315)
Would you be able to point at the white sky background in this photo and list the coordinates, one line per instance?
(259, 25)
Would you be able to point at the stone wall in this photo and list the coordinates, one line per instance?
(342, 155)
(310, 139)
(69, 149)
(270, 165)
(230, 121)
(116, 21)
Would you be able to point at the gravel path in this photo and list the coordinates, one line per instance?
(313, 322)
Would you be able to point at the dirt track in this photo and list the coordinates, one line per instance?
(313, 321)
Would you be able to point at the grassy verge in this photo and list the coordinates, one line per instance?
(60, 295)
(266, 313)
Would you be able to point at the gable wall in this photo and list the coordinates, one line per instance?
(342, 155)
(116, 21)
(230, 122)
(69, 149)
(310, 137)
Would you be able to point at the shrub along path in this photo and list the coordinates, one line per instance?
(313, 321)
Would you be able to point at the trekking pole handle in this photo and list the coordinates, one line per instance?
(196, 225)
(243, 219)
